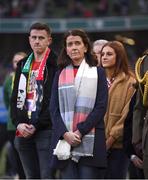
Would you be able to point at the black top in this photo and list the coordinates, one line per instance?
(20, 116)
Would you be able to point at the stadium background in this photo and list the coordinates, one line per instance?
(123, 20)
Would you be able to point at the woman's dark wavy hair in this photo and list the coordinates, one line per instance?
(122, 64)
(64, 59)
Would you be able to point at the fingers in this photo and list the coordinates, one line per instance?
(72, 138)
(26, 130)
(138, 162)
(78, 133)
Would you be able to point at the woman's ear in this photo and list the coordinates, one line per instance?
(85, 49)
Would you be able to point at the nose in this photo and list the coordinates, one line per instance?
(74, 46)
(36, 40)
(104, 55)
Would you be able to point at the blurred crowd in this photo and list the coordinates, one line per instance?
(71, 8)
(16, 8)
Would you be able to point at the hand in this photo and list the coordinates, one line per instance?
(72, 138)
(138, 149)
(26, 130)
(109, 142)
(78, 133)
(137, 162)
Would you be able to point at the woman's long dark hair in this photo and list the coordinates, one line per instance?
(64, 59)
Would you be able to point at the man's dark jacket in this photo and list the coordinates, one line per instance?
(20, 116)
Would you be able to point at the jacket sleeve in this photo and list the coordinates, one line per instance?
(138, 118)
(56, 118)
(127, 131)
(96, 117)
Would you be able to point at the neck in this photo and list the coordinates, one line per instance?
(39, 56)
(77, 62)
(109, 73)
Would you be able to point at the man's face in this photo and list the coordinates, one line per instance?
(21, 92)
(39, 40)
(21, 98)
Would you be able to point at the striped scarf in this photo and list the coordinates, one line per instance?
(76, 101)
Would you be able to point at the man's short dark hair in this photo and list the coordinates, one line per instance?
(40, 26)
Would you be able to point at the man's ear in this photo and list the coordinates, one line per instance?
(50, 40)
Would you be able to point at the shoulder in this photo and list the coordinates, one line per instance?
(126, 78)
(100, 70)
(132, 81)
(52, 59)
(22, 62)
(58, 72)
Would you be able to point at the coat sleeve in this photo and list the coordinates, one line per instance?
(96, 117)
(127, 131)
(138, 119)
(56, 118)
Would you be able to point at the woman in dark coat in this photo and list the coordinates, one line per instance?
(78, 104)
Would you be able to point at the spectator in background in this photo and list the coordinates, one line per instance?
(121, 7)
(30, 104)
(75, 9)
(13, 156)
(97, 46)
(101, 8)
(78, 104)
(120, 81)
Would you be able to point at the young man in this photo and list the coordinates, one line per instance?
(30, 104)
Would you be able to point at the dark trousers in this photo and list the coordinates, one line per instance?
(145, 165)
(134, 172)
(3, 135)
(13, 156)
(79, 171)
(118, 164)
(34, 154)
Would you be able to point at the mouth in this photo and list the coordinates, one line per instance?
(105, 61)
(74, 53)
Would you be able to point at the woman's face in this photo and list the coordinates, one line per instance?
(75, 49)
(108, 57)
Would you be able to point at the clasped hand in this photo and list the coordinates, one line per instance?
(73, 138)
(26, 130)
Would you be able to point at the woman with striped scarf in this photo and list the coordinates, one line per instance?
(78, 104)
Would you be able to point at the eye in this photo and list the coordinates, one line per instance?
(41, 37)
(109, 53)
(69, 44)
(77, 43)
(33, 37)
(102, 54)
(21, 91)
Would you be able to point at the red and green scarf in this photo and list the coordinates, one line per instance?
(24, 85)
